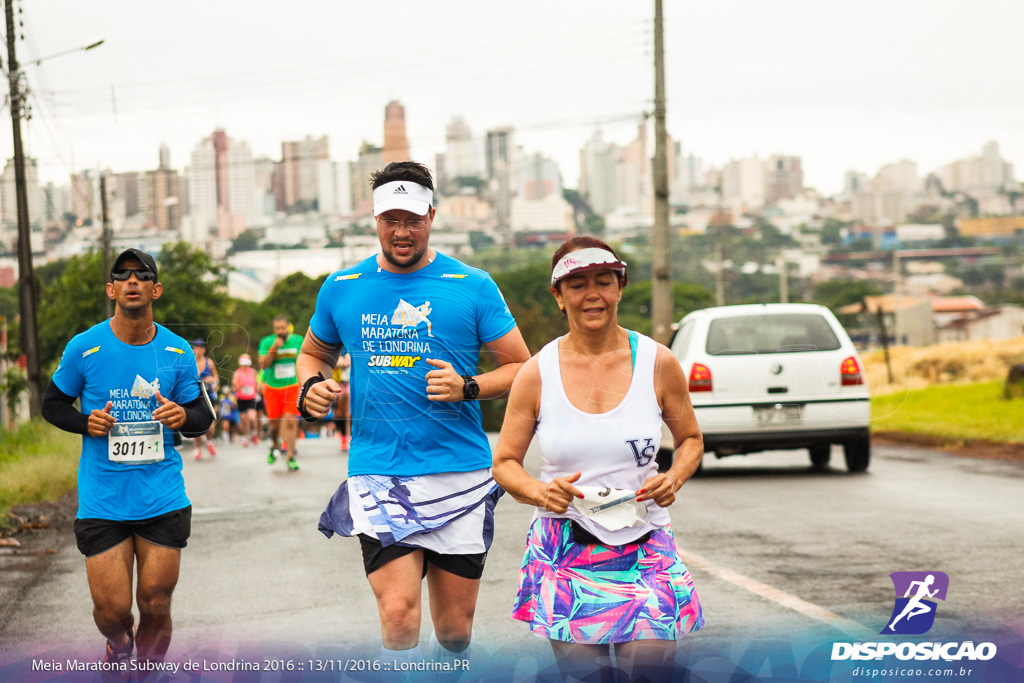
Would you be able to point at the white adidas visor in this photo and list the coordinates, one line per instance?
(402, 194)
(582, 260)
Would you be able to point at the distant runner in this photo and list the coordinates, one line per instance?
(211, 382)
(245, 383)
(278, 353)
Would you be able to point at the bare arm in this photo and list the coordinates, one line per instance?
(509, 353)
(670, 384)
(516, 433)
(317, 356)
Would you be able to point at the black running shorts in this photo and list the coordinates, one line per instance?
(245, 404)
(170, 530)
(376, 555)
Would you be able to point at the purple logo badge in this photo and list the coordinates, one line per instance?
(916, 592)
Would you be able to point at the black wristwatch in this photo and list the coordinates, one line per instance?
(470, 390)
(300, 404)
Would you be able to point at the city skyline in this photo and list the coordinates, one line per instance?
(918, 81)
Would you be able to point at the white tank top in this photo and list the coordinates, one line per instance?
(613, 449)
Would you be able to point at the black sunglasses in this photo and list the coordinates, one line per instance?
(140, 275)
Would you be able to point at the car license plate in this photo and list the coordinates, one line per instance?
(778, 414)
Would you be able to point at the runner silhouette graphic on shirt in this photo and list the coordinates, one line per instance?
(408, 315)
(915, 606)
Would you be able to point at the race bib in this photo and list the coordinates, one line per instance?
(284, 371)
(136, 443)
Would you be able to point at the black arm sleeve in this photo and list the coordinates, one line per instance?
(59, 410)
(198, 417)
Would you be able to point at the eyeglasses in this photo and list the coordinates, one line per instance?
(413, 224)
(140, 275)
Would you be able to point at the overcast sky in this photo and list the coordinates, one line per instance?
(842, 85)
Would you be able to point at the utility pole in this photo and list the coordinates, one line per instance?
(661, 243)
(27, 297)
(106, 239)
(783, 268)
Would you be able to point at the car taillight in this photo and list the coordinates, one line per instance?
(700, 378)
(850, 372)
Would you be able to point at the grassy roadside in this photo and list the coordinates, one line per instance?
(951, 412)
(37, 462)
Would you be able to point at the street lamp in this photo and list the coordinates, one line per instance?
(27, 296)
(95, 43)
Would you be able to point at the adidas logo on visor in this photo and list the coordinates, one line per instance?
(400, 190)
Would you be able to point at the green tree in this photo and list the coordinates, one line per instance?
(73, 297)
(247, 241)
(832, 231)
(838, 293)
(293, 296)
(635, 307)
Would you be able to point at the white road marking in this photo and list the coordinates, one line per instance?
(775, 595)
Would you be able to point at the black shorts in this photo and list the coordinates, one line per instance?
(245, 404)
(376, 555)
(171, 530)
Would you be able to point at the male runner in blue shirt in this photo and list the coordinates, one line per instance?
(137, 383)
(419, 496)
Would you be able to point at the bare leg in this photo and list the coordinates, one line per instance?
(585, 663)
(110, 583)
(158, 575)
(452, 607)
(397, 587)
(290, 434)
(646, 659)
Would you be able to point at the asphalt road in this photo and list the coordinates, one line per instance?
(776, 549)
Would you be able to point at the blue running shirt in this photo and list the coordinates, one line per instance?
(391, 323)
(98, 367)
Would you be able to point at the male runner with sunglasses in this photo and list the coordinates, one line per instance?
(137, 383)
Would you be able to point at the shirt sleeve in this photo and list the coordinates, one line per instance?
(493, 319)
(322, 324)
(68, 377)
(264, 346)
(186, 389)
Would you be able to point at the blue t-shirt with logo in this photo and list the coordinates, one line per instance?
(98, 367)
(391, 323)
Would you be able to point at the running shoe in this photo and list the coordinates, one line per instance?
(115, 655)
(245, 443)
(210, 447)
(198, 455)
(272, 456)
(293, 464)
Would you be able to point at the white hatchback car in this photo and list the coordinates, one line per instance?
(774, 376)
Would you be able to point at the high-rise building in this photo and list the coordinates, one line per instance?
(464, 154)
(501, 164)
(597, 174)
(396, 146)
(361, 196)
(785, 178)
(163, 194)
(744, 183)
(85, 192)
(221, 183)
(538, 177)
(989, 172)
(300, 161)
(8, 198)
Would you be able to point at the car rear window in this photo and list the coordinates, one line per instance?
(776, 333)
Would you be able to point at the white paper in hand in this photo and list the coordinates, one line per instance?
(613, 509)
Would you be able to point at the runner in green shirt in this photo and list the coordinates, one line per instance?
(278, 353)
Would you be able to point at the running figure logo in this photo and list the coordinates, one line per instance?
(914, 612)
(408, 315)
